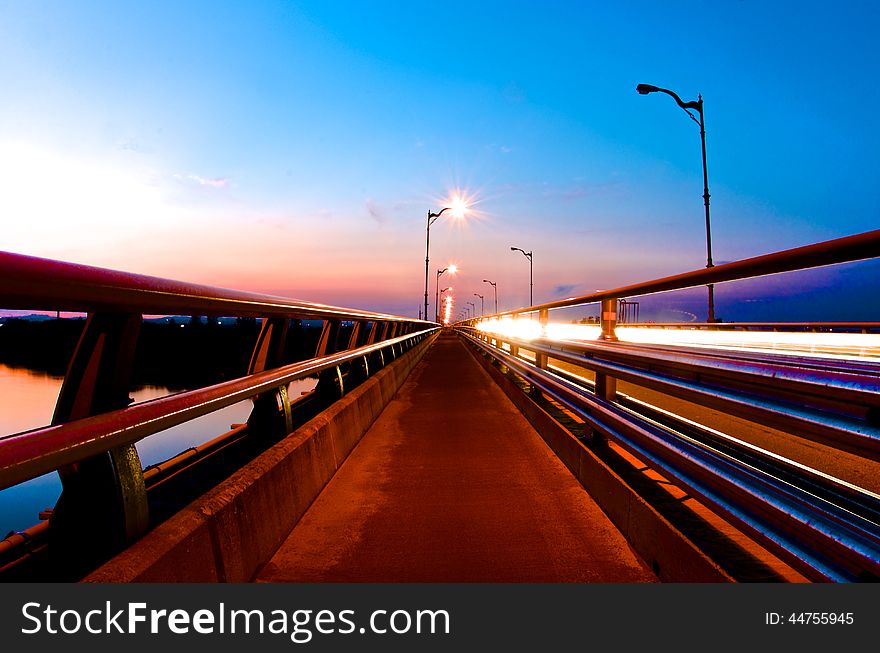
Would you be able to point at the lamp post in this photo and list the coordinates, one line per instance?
(452, 269)
(697, 105)
(528, 255)
(432, 218)
(495, 288)
(482, 304)
(473, 308)
(459, 207)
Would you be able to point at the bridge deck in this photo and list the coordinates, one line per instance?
(451, 483)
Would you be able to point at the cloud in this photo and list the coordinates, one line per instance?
(564, 289)
(621, 226)
(495, 147)
(132, 146)
(376, 211)
(215, 182)
(577, 190)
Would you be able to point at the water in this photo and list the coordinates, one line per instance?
(27, 401)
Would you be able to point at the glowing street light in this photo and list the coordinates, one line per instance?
(528, 255)
(495, 288)
(458, 207)
(452, 269)
(448, 299)
(447, 309)
(697, 105)
(482, 304)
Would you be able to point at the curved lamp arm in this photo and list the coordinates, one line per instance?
(433, 216)
(644, 89)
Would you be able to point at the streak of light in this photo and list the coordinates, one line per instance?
(837, 345)
(833, 345)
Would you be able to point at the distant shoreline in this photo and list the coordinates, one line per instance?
(176, 353)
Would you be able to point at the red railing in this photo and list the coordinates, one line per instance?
(93, 432)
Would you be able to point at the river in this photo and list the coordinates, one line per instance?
(27, 401)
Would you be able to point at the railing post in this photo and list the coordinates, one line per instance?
(606, 386)
(608, 319)
(103, 504)
(360, 369)
(543, 318)
(327, 341)
(394, 329)
(377, 334)
(330, 382)
(271, 415)
(514, 350)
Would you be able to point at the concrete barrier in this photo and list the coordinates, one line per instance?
(230, 532)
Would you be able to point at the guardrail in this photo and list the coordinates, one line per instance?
(104, 505)
(826, 528)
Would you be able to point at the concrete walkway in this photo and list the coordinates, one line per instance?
(463, 491)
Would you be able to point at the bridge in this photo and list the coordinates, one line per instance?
(500, 448)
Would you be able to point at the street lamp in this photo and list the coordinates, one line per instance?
(528, 255)
(452, 269)
(482, 304)
(644, 89)
(447, 304)
(458, 207)
(473, 308)
(443, 290)
(495, 288)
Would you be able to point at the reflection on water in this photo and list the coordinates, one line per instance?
(165, 444)
(27, 401)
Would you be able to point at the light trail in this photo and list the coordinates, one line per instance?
(846, 346)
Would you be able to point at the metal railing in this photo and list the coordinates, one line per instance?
(94, 429)
(830, 252)
(824, 527)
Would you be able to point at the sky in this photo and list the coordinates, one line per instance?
(294, 148)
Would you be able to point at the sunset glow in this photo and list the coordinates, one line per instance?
(59, 201)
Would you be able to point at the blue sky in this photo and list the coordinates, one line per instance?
(294, 147)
